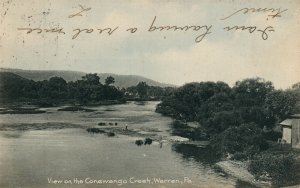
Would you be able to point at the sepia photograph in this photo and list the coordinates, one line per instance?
(149, 93)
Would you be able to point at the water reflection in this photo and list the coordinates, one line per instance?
(242, 184)
(12, 134)
(201, 155)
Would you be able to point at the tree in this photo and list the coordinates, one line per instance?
(109, 80)
(57, 88)
(195, 101)
(296, 86)
(221, 121)
(258, 115)
(281, 103)
(249, 100)
(246, 138)
(251, 91)
(219, 102)
(296, 90)
(91, 79)
(30, 89)
(142, 89)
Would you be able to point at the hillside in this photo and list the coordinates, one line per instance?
(6, 77)
(120, 80)
(10, 84)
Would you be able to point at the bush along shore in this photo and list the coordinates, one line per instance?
(241, 125)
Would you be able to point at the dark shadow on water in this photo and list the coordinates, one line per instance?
(12, 134)
(201, 155)
(110, 110)
(242, 184)
(140, 102)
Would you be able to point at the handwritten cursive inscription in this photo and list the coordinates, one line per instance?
(273, 13)
(79, 13)
(193, 28)
(200, 30)
(109, 31)
(251, 29)
(39, 30)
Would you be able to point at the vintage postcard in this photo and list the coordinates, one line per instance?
(149, 93)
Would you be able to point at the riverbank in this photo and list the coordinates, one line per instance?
(238, 169)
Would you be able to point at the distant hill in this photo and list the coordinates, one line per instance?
(8, 79)
(39, 75)
(11, 84)
(120, 80)
(131, 80)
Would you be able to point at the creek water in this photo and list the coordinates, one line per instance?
(36, 158)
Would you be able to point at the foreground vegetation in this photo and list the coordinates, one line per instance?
(239, 121)
(282, 169)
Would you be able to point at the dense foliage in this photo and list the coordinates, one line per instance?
(89, 89)
(194, 101)
(237, 118)
(242, 141)
(282, 169)
(142, 91)
(238, 121)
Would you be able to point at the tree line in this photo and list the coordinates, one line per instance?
(88, 89)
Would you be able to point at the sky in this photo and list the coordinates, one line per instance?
(166, 56)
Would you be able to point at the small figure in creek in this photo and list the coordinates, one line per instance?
(160, 141)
